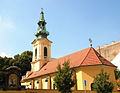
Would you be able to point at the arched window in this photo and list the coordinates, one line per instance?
(37, 84)
(45, 51)
(92, 86)
(46, 80)
(36, 52)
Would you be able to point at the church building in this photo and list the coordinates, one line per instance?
(86, 63)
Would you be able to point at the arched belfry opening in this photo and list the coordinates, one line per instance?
(36, 53)
(45, 51)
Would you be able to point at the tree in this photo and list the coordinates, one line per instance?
(101, 83)
(117, 74)
(1, 63)
(63, 79)
(118, 84)
(23, 61)
(5, 62)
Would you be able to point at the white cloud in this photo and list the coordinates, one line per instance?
(3, 54)
(6, 25)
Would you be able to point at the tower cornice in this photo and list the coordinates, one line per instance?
(41, 40)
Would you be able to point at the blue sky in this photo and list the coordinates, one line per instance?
(70, 23)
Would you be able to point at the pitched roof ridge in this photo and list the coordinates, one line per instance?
(97, 56)
(103, 59)
(62, 57)
(86, 56)
(69, 55)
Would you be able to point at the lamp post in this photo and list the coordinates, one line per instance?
(85, 84)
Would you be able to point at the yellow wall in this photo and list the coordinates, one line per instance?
(52, 82)
(27, 84)
(43, 83)
(79, 79)
(110, 71)
(37, 66)
(35, 84)
(40, 44)
(24, 84)
(82, 73)
(89, 72)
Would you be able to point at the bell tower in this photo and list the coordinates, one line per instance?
(41, 45)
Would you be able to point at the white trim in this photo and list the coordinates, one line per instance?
(46, 83)
(37, 85)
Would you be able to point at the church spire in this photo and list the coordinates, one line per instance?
(42, 33)
(42, 15)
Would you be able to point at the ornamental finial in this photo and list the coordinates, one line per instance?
(90, 42)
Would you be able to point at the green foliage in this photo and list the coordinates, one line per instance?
(63, 79)
(118, 84)
(117, 74)
(5, 62)
(22, 61)
(101, 83)
(2, 77)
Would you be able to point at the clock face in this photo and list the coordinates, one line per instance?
(13, 81)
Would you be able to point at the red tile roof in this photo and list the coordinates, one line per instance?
(84, 57)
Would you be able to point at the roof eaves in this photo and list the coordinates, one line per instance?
(72, 67)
